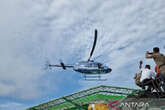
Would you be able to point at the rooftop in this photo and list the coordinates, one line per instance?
(83, 98)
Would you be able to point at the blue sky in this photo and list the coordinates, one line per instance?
(34, 31)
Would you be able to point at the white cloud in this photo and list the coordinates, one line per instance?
(131, 28)
(19, 73)
(11, 106)
(34, 30)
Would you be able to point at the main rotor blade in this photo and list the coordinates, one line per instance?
(94, 45)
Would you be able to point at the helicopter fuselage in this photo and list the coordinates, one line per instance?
(91, 67)
(88, 67)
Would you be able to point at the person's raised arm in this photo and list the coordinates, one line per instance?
(140, 64)
(148, 56)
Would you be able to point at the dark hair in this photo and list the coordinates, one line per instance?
(156, 49)
(148, 66)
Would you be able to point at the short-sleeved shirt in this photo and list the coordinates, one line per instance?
(159, 59)
(147, 74)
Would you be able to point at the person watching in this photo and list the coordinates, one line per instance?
(158, 58)
(146, 76)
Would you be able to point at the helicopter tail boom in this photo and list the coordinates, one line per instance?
(61, 65)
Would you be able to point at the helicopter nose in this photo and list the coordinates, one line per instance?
(109, 69)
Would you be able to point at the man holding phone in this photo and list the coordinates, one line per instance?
(158, 58)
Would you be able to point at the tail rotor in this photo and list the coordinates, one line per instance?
(62, 64)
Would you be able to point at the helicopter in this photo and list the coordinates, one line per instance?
(91, 70)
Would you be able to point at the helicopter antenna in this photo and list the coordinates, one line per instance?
(94, 45)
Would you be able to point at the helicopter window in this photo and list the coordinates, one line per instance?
(86, 65)
(93, 65)
(90, 65)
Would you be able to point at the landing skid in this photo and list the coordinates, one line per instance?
(93, 78)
